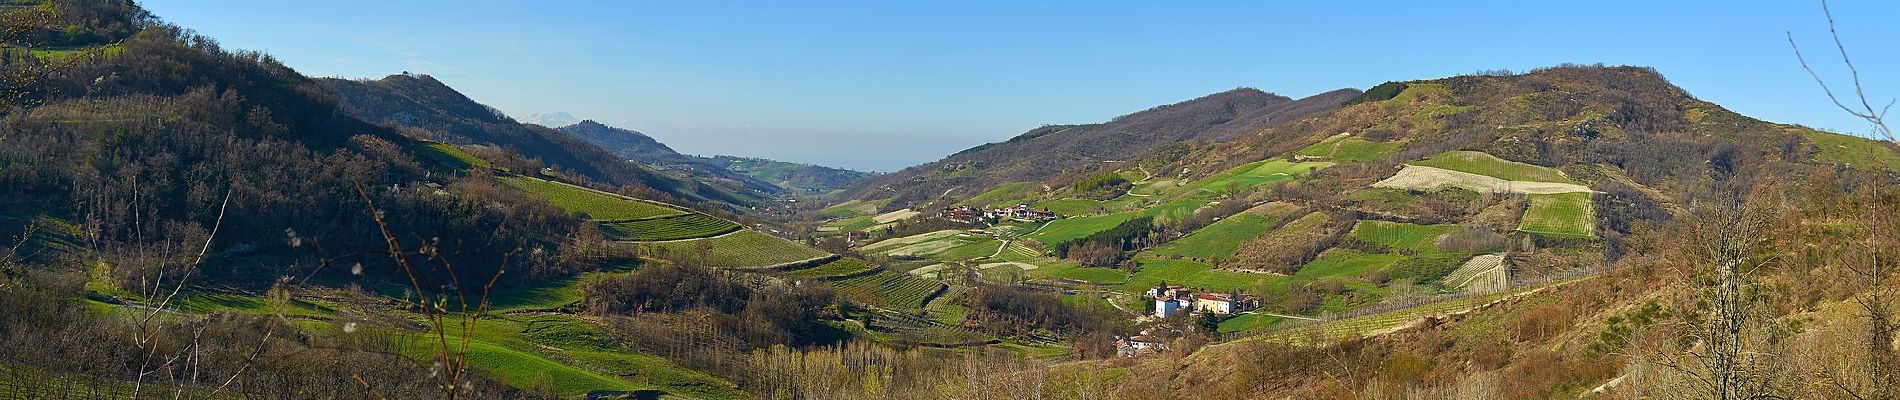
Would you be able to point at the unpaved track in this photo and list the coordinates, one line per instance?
(1414, 177)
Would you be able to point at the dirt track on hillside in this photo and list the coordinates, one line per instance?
(1415, 177)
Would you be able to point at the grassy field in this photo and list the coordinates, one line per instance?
(744, 249)
(841, 267)
(1258, 173)
(1399, 235)
(1488, 165)
(1192, 274)
(552, 294)
(1346, 262)
(1249, 322)
(1093, 275)
(676, 227)
(450, 156)
(1350, 149)
(1219, 240)
(1067, 229)
(890, 290)
(1857, 152)
(596, 204)
(569, 356)
(1560, 215)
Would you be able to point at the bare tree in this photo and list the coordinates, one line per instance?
(1723, 358)
(451, 368)
(1875, 305)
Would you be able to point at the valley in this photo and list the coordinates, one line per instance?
(180, 219)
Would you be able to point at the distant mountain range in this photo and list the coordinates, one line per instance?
(553, 119)
(641, 148)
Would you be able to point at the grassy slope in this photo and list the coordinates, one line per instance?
(1857, 152)
(1219, 240)
(1346, 262)
(596, 204)
(1258, 173)
(744, 249)
(1350, 149)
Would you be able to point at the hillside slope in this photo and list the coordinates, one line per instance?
(433, 110)
(1046, 152)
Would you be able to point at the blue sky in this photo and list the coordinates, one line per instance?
(880, 85)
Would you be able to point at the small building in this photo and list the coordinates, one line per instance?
(1165, 307)
(1139, 345)
(1217, 303)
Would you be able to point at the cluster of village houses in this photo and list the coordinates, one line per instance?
(1021, 212)
(1177, 300)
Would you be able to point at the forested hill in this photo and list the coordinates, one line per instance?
(425, 107)
(1046, 152)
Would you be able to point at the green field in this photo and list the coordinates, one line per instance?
(451, 156)
(676, 227)
(1559, 215)
(569, 356)
(890, 290)
(1399, 235)
(551, 294)
(1248, 322)
(1258, 173)
(744, 249)
(1488, 165)
(1219, 240)
(596, 204)
(1093, 275)
(1346, 262)
(1152, 273)
(1857, 152)
(841, 267)
(1351, 149)
(1067, 229)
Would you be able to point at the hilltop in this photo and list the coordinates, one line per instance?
(1049, 151)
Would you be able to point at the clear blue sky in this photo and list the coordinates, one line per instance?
(880, 85)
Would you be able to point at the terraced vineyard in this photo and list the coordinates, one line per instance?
(1560, 215)
(744, 249)
(891, 290)
(677, 227)
(841, 267)
(914, 329)
(596, 204)
(1400, 235)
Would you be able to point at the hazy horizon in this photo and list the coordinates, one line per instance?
(895, 85)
